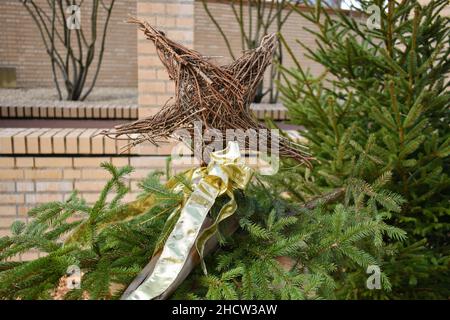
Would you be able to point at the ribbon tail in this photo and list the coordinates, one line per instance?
(226, 211)
(179, 243)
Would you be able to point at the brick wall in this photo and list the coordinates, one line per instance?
(21, 45)
(32, 180)
(176, 18)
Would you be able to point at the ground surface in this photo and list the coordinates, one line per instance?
(112, 96)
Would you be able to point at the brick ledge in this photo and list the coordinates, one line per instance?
(76, 110)
(70, 141)
(76, 141)
(67, 110)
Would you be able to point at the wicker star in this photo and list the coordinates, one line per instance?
(218, 96)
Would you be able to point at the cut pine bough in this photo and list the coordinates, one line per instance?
(229, 227)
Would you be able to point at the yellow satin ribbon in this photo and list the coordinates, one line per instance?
(224, 174)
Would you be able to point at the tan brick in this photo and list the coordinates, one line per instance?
(27, 112)
(24, 186)
(119, 113)
(152, 87)
(73, 111)
(20, 112)
(185, 36)
(90, 185)
(111, 112)
(65, 112)
(126, 112)
(148, 162)
(148, 61)
(47, 174)
(170, 87)
(145, 112)
(179, 9)
(95, 174)
(4, 232)
(7, 162)
(7, 198)
(167, 148)
(140, 174)
(6, 221)
(97, 144)
(71, 174)
(35, 111)
(59, 142)
(46, 145)
(148, 100)
(84, 141)
(58, 112)
(134, 111)
(8, 210)
(81, 112)
(120, 161)
(7, 187)
(25, 162)
(185, 22)
(53, 162)
(72, 141)
(89, 162)
(96, 112)
(162, 99)
(166, 22)
(11, 174)
(4, 111)
(12, 112)
(89, 110)
(19, 141)
(22, 210)
(43, 112)
(54, 186)
(109, 145)
(6, 140)
(104, 112)
(51, 112)
(90, 197)
(150, 8)
(161, 74)
(33, 145)
(122, 147)
(145, 148)
(43, 197)
(147, 74)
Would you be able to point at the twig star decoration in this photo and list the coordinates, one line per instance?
(217, 96)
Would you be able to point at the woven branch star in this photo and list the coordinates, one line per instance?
(218, 96)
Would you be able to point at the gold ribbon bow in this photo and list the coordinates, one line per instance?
(224, 174)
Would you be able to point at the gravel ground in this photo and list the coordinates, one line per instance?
(112, 96)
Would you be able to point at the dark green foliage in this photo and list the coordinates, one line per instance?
(325, 246)
(382, 107)
(111, 242)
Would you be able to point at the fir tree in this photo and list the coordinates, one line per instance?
(381, 107)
